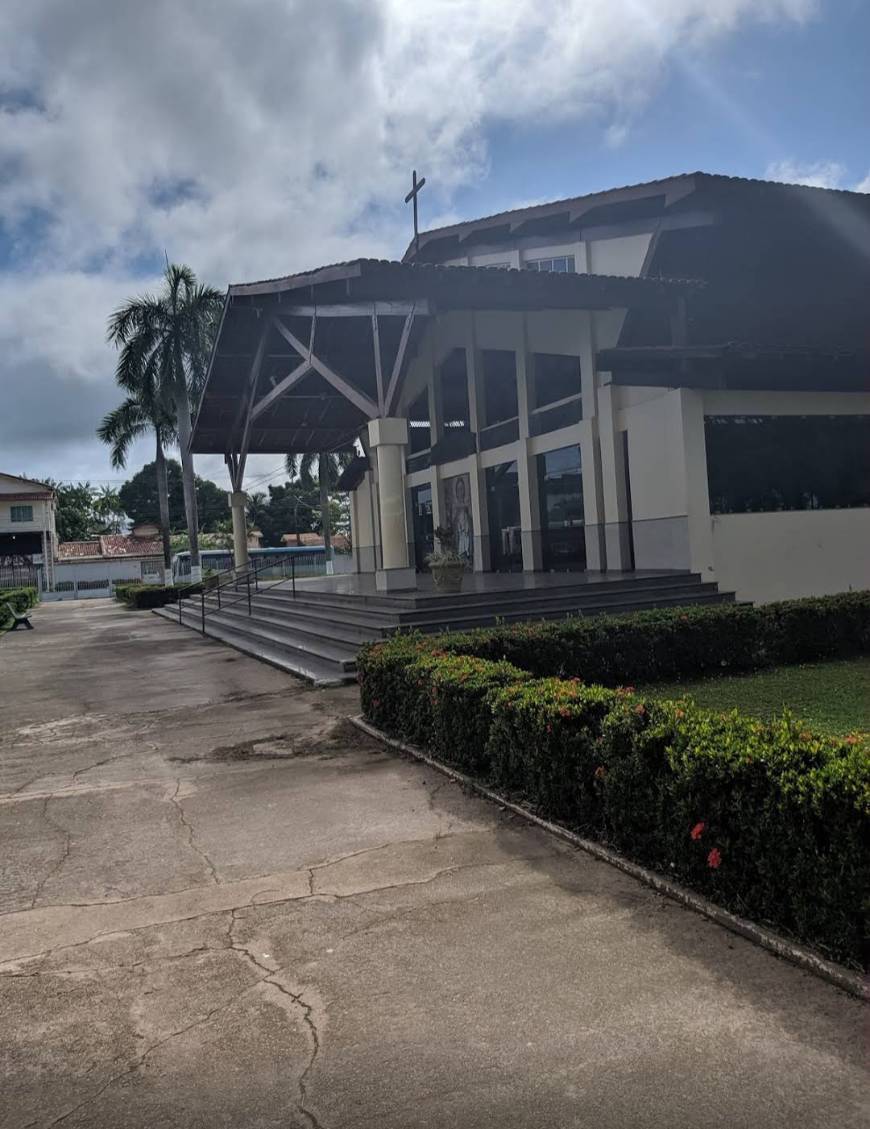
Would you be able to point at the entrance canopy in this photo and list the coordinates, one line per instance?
(302, 363)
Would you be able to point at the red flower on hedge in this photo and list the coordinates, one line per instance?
(714, 859)
(640, 709)
(698, 830)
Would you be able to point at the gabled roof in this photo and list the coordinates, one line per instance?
(27, 481)
(109, 546)
(266, 328)
(629, 202)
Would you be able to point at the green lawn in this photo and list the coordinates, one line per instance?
(834, 697)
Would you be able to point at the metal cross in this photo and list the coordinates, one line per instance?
(416, 185)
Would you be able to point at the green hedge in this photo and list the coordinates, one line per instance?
(667, 644)
(431, 699)
(20, 598)
(769, 819)
(141, 596)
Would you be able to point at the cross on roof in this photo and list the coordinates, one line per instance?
(416, 185)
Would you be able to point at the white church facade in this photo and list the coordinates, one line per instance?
(670, 376)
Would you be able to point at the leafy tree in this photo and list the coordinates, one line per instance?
(172, 332)
(291, 508)
(139, 497)
(75, 517)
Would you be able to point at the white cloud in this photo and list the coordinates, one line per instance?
(815, 174)
(258, 138)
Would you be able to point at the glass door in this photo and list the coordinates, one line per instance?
(424, 536)
(503, 507)
(563, 532)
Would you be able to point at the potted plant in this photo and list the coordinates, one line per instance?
(446, 565)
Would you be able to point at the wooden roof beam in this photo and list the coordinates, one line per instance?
(359, 399)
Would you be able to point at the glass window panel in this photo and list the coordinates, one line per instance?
(499, 369)
(419, 429)
(454, 392)
(758, 464)
(424, 538)
(557, 376)
(560, 482)
(503, 509)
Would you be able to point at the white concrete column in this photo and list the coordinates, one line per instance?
(614, 492)
(530, 510)
(388, 438)
(240, 528)
(700, 525)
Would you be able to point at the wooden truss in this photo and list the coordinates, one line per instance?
(252, 406)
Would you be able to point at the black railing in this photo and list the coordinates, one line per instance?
(247, 578)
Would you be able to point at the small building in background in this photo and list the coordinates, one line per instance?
(92, 568)
(28, 536)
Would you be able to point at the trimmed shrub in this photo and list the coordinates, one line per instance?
(142, 596)
(545, 743)
(674, 643)
(431, 699)
(461, 694)
(767, 819)
(824, 627)
(20, 598)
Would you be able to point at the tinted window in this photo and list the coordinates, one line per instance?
(454, 392)
(557, 376)
(766, 463)
(419, 430)
(499, 368)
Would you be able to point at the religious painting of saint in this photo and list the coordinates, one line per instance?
(457, 510)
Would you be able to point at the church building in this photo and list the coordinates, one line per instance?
(666, 377)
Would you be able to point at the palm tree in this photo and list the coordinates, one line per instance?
(143, 410)
(107, 505)
(172, 334)
(330, 464)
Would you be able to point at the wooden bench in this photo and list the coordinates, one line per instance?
(19, 618)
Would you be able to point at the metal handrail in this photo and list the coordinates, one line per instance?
(198, 587)
(237, 578)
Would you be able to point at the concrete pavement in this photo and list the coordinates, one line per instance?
(222, 906)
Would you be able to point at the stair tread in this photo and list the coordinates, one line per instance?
(320, 672)
(315, 645)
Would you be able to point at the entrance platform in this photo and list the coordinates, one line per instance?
(316, 629)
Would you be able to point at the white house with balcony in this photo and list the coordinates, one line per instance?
(28, 537)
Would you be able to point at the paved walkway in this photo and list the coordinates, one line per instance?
(223, 907)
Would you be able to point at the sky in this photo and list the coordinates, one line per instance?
(253, 139)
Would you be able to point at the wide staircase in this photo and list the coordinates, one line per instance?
(317, 634)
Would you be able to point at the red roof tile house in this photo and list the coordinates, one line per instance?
(92, 568)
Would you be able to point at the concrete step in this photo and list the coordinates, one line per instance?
(406, 610)
(364, 625)
(319, 671)
(322, 640)
(318, 636)
(416, 600)
(318, 647)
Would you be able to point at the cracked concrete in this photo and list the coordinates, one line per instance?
(221, 906)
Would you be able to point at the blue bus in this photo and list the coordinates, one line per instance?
(310, 560)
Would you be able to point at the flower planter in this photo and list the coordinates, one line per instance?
(448, 577)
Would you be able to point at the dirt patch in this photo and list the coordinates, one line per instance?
(330, 738)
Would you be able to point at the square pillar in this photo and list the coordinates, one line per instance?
(388, 438)
(240, 528)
